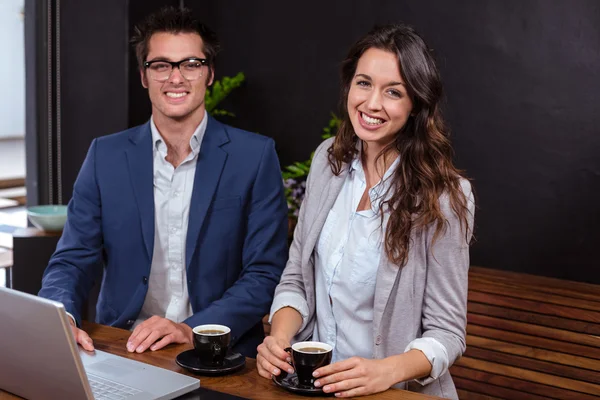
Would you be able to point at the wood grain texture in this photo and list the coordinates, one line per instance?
(518, 290)
(535, 364)
(534, 330)
(535, 306)
(544, 284)
(531, 376)
(497, 382)
(464, 395)
(11, 183)
(8, 396)
(481, 390)
(534, 341)
(532, 352)
(533, 318)
(530, 337)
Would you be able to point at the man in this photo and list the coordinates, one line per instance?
(186, 215)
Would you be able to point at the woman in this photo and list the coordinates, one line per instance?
(378, 266)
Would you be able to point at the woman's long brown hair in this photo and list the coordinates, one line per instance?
(425, 171)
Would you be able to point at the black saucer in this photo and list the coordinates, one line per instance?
(188, 360)
(290, 382)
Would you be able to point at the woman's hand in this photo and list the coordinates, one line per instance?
(272, 358)
(356, 376)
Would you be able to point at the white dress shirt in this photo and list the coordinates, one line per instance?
(167, 285)
(347, 255)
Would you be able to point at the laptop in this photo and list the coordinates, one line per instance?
(39, 359)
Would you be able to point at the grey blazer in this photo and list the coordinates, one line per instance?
(425, 298)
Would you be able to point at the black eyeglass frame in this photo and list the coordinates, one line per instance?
(176, 64)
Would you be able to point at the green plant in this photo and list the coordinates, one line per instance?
(331, 129)
(219, 90)
(294, 175)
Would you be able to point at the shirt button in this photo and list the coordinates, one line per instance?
(378, 340)
(130, 322)
(176, 194)
(173, 230)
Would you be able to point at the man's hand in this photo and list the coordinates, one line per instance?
(146, 334)
(81, 337)
(355, 377)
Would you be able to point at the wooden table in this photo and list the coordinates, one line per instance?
(245, 383)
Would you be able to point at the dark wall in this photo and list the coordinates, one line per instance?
(100, 86)
(94, 65)
(521, 80)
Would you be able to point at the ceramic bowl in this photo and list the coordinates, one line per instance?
(48, 217)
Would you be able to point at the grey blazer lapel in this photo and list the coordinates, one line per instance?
(331, 188)
(325, 192)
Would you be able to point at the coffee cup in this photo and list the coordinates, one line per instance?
(211, 343)
(308, 357)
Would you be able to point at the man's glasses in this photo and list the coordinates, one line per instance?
(190, 68)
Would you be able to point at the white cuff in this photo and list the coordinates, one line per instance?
(72, 317)
(290, 299)
(437, 355)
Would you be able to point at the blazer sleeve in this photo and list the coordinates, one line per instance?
(77, 261)
(264, 253)
(444, 316)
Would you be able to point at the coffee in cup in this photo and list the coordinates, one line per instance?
(211, 332)
(308, 357)
(211, 343)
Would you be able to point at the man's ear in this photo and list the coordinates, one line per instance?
(212, 77)
(144, 78)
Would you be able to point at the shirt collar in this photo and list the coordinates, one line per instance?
(195, 140)
(356, 165)
(380, 187)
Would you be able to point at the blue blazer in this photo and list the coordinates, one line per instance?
(236, 245)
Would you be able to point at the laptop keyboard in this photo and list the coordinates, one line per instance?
(104, 389)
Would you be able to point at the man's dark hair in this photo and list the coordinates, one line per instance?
(173, 20)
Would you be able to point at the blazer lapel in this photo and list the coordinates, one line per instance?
(139, 160)
(332, 189)
(209, 166)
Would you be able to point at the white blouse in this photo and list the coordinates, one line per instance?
(347, 255)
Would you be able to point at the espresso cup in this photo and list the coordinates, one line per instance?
(211, 343)
(307, 357)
